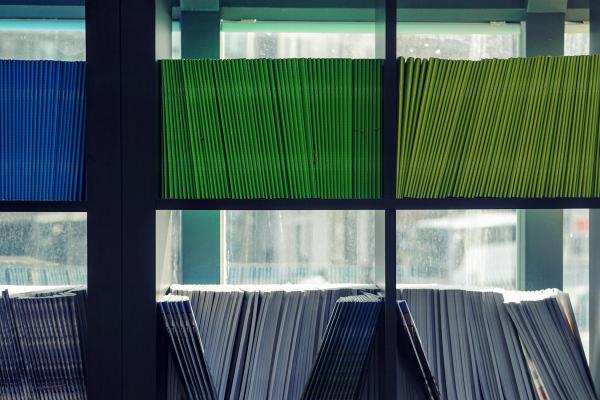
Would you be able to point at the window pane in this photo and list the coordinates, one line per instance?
(43, 248)
(577, 39)
(357, 40)
(42, 40)
(298, 40)
(457, 247)
(455, 46)
(298, 246)
(576, 267)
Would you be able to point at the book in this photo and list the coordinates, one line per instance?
(288, 128)
(498, 128)
(43, 344)
(42, 130)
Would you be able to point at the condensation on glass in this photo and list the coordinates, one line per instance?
(268, 247)
(576, 269)
(457, 247)
(357, 40)
(577, 39)
(59, 40)
(297, 45)
(43, 248)
(458, 41)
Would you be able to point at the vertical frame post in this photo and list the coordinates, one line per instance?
(541, 248)
(104, 191)
(541, 231)
(201, 246)
(201, 38)
(545, 28)
(200, 34)
(145, 37)
(385, 273)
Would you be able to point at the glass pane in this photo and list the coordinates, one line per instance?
(298, 45)
(577, 39)
(298, 247)
(458, 46)
(576, 267)
(357, 40)
(168, 248)
(43, 248)
(42, 40)
(457, 247)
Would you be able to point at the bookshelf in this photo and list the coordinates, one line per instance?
(123, 41)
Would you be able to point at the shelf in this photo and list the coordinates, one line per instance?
(495, 203)
(43, 206)
(271, 204)
(376, 204)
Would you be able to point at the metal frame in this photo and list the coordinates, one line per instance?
(123, 38)
(104, 192)
(376, 204)
(315, 10)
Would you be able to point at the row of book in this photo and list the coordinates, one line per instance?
(315, 343)
(187, 348)
(259, 342)
(42, 130)
(311, 128)
(494, 344)
(512, 128)
(53, 274)
(292, 128)
(341, 368)
(293, 342)
(42, 345)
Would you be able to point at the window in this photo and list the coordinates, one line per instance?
(303, 246)
(577, 39)
(458, 41)
(40, 248)
(576, 267)
(61, 40)
(457, 247)
(297, 40)
(298, 247)
(357, 40)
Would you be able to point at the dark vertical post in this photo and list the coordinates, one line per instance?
(541, 238)
(594, 27)
(145, 37)
(200, 34)
(201, 38)
(542, 253)
(385, 36)
(545, 28)
(201, 246)
(545, 34)
(104, 369)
